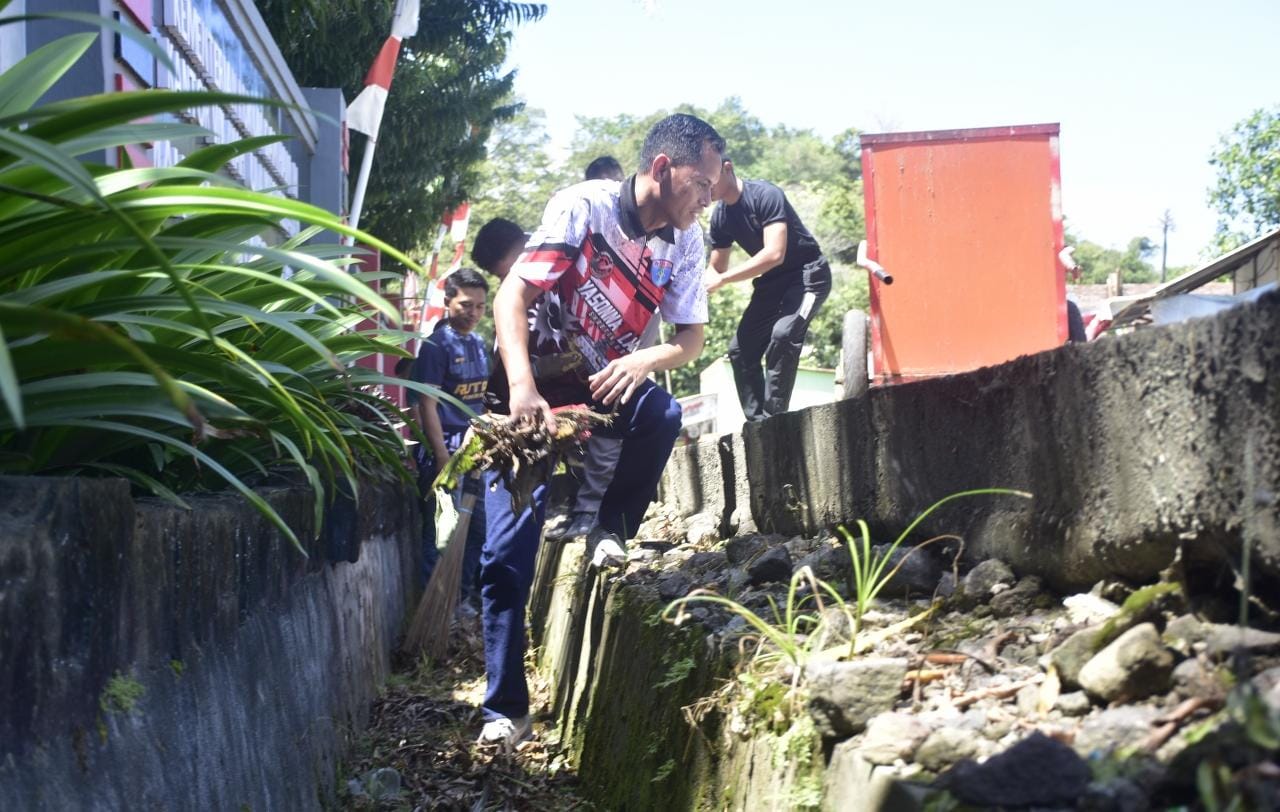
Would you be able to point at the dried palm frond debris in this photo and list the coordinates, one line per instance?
(523, 450)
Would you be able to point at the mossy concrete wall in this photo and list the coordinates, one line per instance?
(1133, 446)
(627, 687)
(157, 658)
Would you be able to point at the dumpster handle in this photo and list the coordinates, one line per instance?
(871, 265)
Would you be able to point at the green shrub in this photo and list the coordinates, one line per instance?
(156, 324)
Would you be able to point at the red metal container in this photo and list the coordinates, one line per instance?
(969, 225)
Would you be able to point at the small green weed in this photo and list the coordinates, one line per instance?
(677, 672)
(121, 694)
(869, 567)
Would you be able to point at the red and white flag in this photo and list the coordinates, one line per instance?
(365, 113)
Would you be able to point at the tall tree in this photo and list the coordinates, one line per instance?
(519, 177)
(448, 94)
(1097, 263)
(1247, 192)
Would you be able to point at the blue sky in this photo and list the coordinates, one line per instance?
(1143, 90)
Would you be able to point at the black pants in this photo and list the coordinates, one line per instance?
(773, 328)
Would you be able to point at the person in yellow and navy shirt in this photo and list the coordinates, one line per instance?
(453, 359)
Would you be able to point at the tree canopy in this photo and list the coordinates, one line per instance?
(1246, 194)
(447, 95)
(1097, 263)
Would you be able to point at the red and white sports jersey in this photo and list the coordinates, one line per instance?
(604, 277)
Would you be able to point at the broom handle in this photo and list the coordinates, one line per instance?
(466, 505)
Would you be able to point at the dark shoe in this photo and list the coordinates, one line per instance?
(580, 527)
(556, 525)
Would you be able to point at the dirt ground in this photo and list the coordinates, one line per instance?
(424, 728)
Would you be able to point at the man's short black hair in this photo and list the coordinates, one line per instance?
(494, 240)
(463, 278)
(603, 167)
(680, 137)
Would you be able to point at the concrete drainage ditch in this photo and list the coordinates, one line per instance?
(1004, 695)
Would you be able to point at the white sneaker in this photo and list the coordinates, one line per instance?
(505, 732)
(608, 551)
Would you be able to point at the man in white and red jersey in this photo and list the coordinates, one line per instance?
(605, 259)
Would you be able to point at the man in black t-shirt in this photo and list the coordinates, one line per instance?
(791, 280)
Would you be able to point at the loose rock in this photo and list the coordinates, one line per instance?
(772, 566)
(742, 549)
(1087, 608)
(1071, 655)
(893, 736)
(1114, 728)
(1135, 666)
(843, 696)
(702, 528)
(1073, 703)
(918, 575)
(1018, 599)
(675, 585)
(987, 578)
(945, 746)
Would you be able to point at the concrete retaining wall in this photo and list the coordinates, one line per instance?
(1132, 446)
(155, 658)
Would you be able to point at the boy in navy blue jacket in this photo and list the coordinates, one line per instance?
(453, 359)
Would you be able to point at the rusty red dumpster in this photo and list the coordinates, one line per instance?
(969, 225)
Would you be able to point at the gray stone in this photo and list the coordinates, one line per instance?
(1186, 632)
(1087, 608)
(828, 563)
(772, 566)
(738, 581)
(998, 725)
(1037, 771)
(1268, 684)
(834, 628)
(986, 578)
(742, 549)
(945, 746)
(1194, 677)
(1071, 655)
(1114, 729)
(918, 574)
(707, 560)
(702, 528)
(892, 736)
(1073, 703)
(382, 784)
(1027, 700)
(1134, 666)
(799, 546)
(844, 695)
(674, 585)
(642, 555)
(947, 584)
(676, 557)
(1018, 599)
